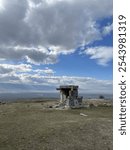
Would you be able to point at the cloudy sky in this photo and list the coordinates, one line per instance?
(47, 43)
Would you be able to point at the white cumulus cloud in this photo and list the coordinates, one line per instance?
(59, 26)
(102, 54)
(107, 29)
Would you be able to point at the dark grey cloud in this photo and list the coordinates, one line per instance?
(32, 55)
(11, 21)
(5, 70)
(8, 69)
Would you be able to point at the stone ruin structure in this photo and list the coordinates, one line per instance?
(69, 97)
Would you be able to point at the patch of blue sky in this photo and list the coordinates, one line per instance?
(81, 65)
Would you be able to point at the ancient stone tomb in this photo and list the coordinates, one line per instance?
(69, 96)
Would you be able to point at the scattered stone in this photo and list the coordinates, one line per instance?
(50, 106)
(2, 103)
(91, 105)
(81, 114)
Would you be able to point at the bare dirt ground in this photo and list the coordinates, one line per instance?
(33, 126)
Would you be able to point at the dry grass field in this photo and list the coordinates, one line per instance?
(33, 126)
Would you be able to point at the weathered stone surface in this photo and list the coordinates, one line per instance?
(69, 96)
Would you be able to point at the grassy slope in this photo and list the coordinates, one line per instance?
(27, 126)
